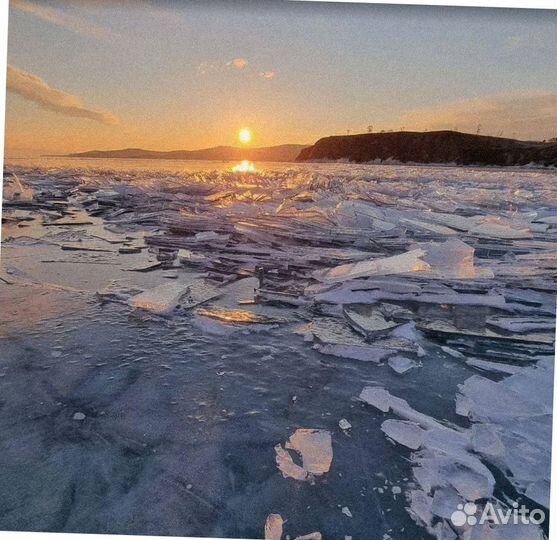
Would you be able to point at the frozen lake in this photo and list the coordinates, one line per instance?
(167, 327)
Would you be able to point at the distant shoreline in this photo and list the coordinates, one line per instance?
(281, 153)
(397, 148)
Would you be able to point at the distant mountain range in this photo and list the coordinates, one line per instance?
(431, 147)
(285, 152)
(401, 146)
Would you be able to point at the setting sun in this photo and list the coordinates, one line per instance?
(245, 135)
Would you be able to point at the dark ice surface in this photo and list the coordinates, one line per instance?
(167, 408)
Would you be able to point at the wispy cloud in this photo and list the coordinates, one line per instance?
(206, 67)
(214, 67)
(37, 90)
(59, 18)
(267, 75)
(238, 63)
(525, 114)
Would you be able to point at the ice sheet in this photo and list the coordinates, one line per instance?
(451, 269)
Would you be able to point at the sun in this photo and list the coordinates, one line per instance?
(245, 135)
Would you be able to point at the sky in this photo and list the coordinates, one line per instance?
(171, 75)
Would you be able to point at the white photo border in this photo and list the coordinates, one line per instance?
(521, 4)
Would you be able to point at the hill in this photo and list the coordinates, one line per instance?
(431, 147)
(285, 152)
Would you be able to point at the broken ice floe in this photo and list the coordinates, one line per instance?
(368, 320)
(519, 410)
(335, 338)
(512, 431)
(316, 452)
(116, 292)
(444, 460)
(330, 331)
(160, 300)
(401, 364)
(403, 432)
(522, 325)
(165, 298)
(274, 529)
(344, 424)
(493, 367)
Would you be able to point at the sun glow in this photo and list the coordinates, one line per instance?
(244, 167)
(245, 135)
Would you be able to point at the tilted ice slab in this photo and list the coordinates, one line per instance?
(165, 298)
(494, 367)
(423, 225)
(367, 320)
(398, 264)
(523, 324)
(162, 299)
(496, 230)
(345, 294)
(362, 214)
(452, 259)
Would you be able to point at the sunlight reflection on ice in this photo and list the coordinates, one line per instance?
(244, 167)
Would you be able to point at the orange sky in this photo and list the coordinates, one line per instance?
(108, 75)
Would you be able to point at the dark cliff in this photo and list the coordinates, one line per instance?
(431, 147)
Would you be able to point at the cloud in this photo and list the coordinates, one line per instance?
(33, 88)
(205, 68)
(267, 75)
(59, 18)
(238, 63)
(524, 115)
